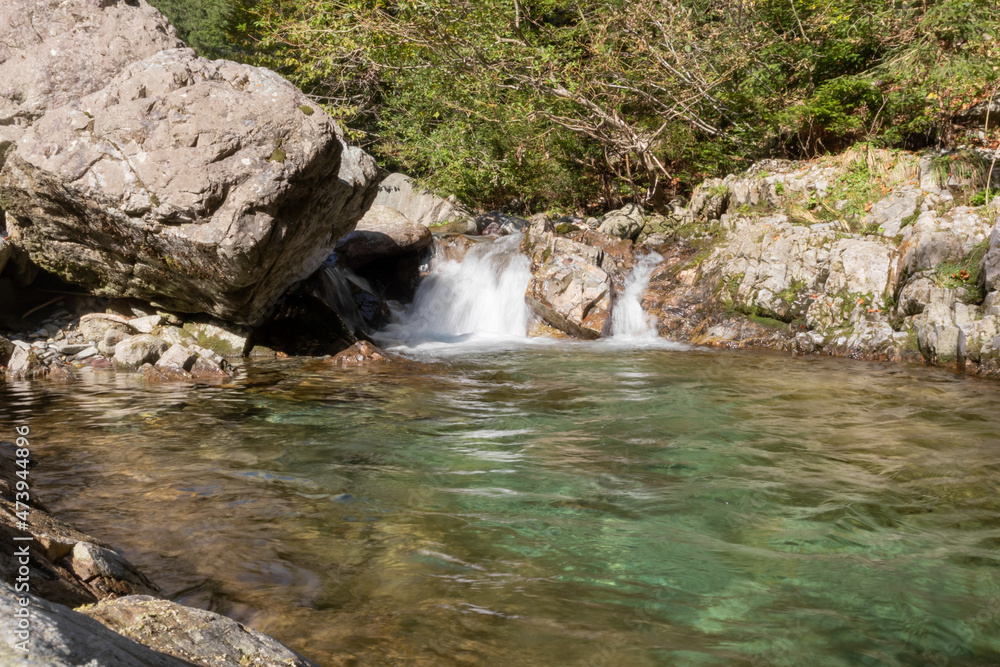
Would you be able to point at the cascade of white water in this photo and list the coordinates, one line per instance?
(628, 319)
(481, 295)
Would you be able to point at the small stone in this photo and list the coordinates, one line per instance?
(87, 352)
(70, 348)
(146, 324)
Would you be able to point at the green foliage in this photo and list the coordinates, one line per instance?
(964, 273)
(202, 24)
(583, 104)
(981, 197)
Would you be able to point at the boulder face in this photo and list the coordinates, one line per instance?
(200, 186)
(397, 191)
(383, 232)
(55, 51)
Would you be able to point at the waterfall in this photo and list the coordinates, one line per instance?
(480, 296)
(628, 319)
(335, 286)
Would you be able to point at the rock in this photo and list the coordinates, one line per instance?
(383, 232)
(860, 267)
(87, 353)
(625, 223)
(24, 364)
(146, 324)
(177, 356)
(203, 368)
(399, 192)
(771, 267)
(61, 637)
(93, 326)
(361, 353)
(889, 213)
(195, 636)
(69, 349)
(139, 350)
(226, 340)
(110, 340)
(6, 349)
(106, 571)
(933, 240)
(990, 263)
(568, 280)
(201, 186)
(83, 45)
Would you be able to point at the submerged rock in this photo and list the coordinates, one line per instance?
(360, 354)
(200, 186)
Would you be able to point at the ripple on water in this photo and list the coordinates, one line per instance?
(554, 504)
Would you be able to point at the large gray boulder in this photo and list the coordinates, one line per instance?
(53, 52)
(201, 186)
(383, 232)
(399, 192)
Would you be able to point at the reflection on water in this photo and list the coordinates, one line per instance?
(554, 504)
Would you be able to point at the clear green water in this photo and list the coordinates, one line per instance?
(554, 505)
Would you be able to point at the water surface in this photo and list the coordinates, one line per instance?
(553, 504)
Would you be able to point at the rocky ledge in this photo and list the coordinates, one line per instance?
(870, 254)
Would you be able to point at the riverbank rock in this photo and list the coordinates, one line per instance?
(568, 289)
(61, 637)
(382, 233)
(398, 191)
(625, 223)
(199, 186)
(194, 636)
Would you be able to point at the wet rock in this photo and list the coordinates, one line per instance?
(202, 186)
(24, 364)
(61, 637)
(195, 636)
(6, 349)
(383, 232)
(138, 350)
(204, 368)
(568, 280)
(105, 571)
(361, 353)
(625, 223)
(399, 192)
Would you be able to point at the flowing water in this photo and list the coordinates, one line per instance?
(503, 501)
(628, 319)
